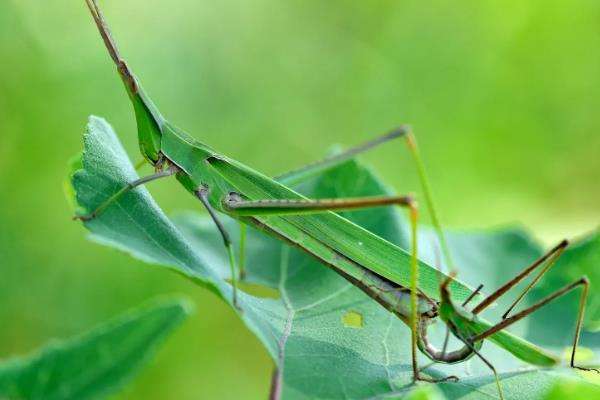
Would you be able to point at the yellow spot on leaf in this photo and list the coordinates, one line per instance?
(353, 319)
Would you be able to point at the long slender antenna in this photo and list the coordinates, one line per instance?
(104, 31)
(472, 295)
(133, 87)
(111, 45)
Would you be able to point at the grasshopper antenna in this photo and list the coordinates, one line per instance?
(149, 120)
(104, 31)
(111, 45)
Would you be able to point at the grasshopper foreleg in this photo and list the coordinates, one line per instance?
(169, 171)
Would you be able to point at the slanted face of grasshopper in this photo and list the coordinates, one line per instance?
(397, 280)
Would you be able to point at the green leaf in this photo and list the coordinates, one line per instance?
(134, 223)
(328, 338)
(97, 363)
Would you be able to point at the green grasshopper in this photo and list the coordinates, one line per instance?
(397, 280)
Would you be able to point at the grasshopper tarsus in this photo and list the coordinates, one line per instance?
(84, 218)
(451, 378)
(596, 370)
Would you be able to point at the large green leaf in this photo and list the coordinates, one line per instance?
(328, 338)
(96, 363)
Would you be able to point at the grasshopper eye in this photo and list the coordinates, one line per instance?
(233, 198)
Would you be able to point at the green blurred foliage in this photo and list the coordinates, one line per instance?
(575, 390)
(503, 98)
(96, 363)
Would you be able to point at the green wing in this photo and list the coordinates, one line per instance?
(336, 232)
(520, 348)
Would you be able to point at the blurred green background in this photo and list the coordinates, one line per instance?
(504, 98)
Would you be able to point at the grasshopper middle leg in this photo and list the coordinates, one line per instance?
(202, 194)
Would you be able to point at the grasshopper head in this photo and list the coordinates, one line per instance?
(149, 123)
(149, 120)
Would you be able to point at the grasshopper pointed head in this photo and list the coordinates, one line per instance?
(149, 121)
(149, 127)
